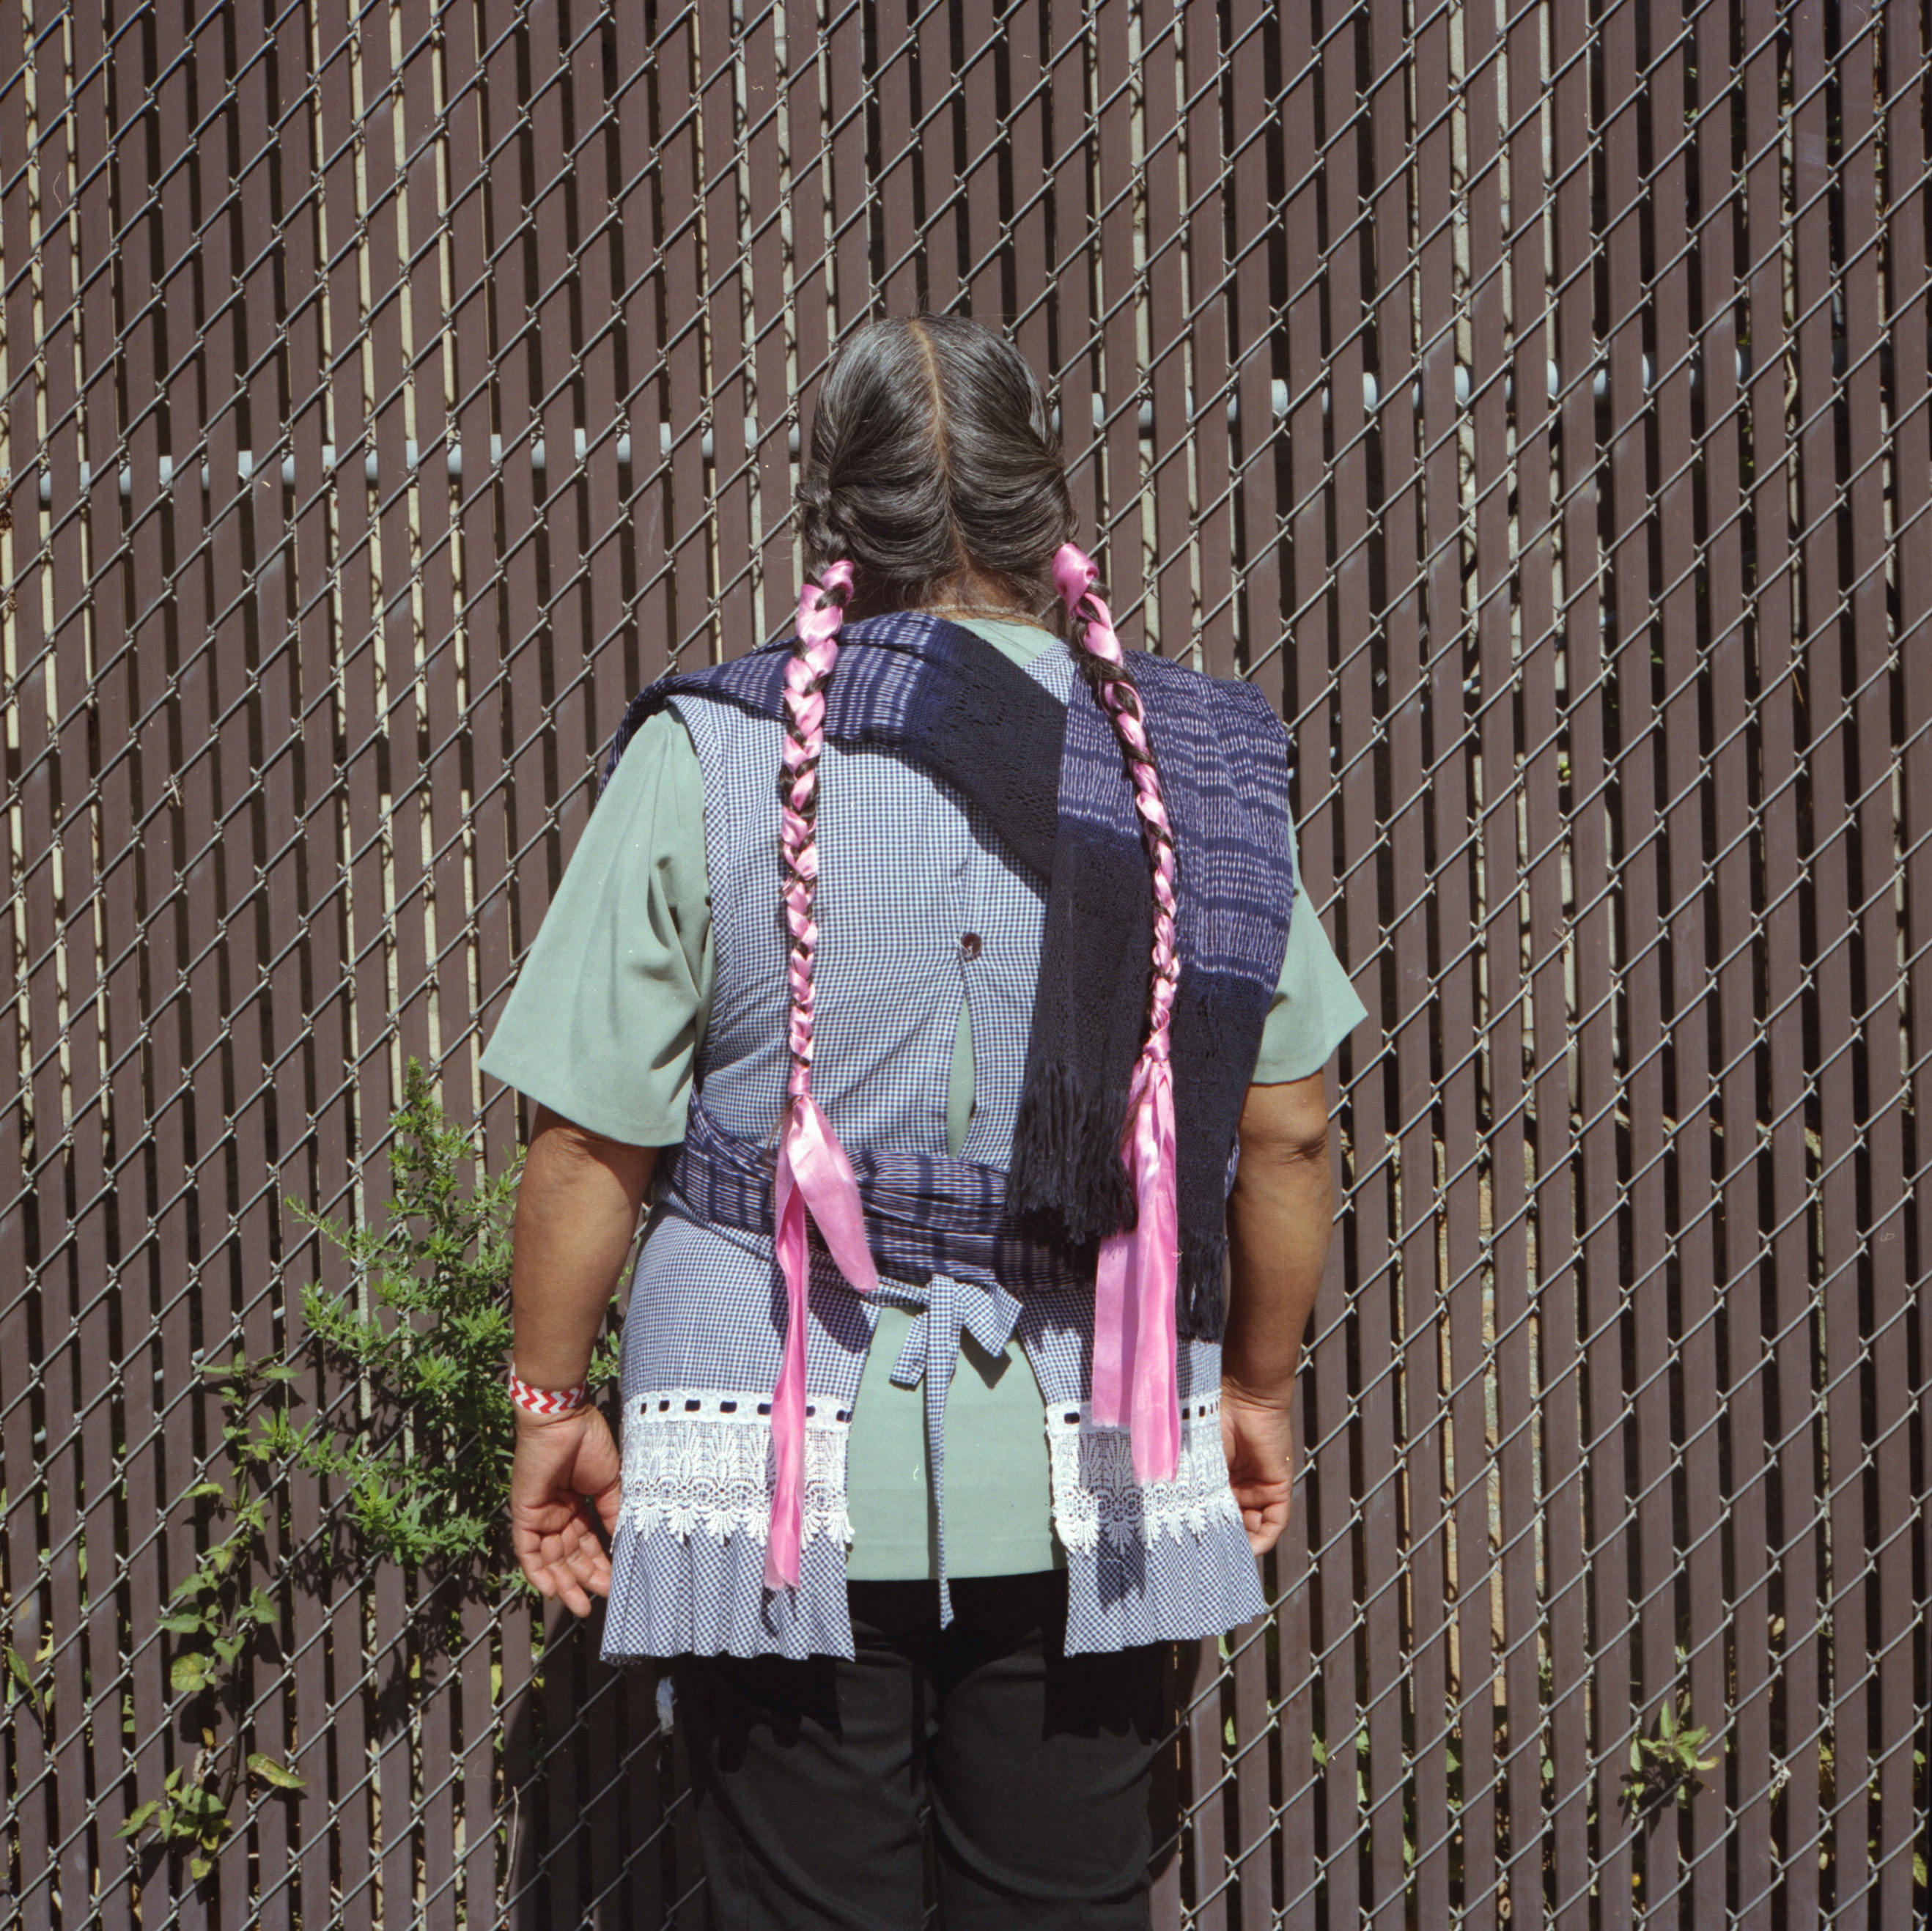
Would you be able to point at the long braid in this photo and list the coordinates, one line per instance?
(1136, 1381)
(1103, 663)
(815, 651)
(812, 1175)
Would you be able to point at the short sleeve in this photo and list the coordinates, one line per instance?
(603, 1023)
(1314, 1008)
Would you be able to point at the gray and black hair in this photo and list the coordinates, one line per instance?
(933, 451)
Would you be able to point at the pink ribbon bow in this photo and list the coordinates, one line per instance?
(1136, 1381)
(813, 1175)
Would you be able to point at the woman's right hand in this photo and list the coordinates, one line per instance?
(562, 1462)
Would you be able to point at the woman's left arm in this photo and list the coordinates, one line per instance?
(577, 1212)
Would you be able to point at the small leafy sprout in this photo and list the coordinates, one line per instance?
(190, 1816)
(1667, 1764)
(24, 1681)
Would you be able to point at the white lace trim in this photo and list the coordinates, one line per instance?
(1095, 1494)
(700, 1460)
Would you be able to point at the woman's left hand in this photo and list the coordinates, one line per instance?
(562, 1461)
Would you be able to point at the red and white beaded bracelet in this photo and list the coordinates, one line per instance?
(547, 1400)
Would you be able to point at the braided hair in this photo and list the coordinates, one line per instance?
(821, 611)
(1103, 664)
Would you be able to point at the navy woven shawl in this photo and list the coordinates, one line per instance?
(1052, 779)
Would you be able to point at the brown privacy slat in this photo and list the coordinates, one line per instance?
(987, 252)
(556, 213)
(456, 722)
(1170, 593)
(1252, 1758)
(234, 1268)
(893, 192)
(1208, 323)
(556, 1788)
(610, 679)
(847, 107)
(639, 1775)
(55, 793)
(603, 1823)
(1631, 925)
(1884, 1476)
(395, 854)
(526, 666)
(1207, 1820)
(507, 664)
(366, 671)
(814, 59)
(1180, 1664)
(1739, 1199)
(177, 895)
(778, 593)
(68, 1170)
(300, 797)
(438, 378)
(1587, 1298)
(1690, 1169)
(1839, 1724)
(726, 393)
(1069, 267)
(1119, 551)
(1026, 133)
(1795, 1592)
(39, 1576)
(811, 96)
(1317, 1746)
(1376, 1503)
(1502, 638)
(608, 684)
(436, 773)
(128, 793)
(684, 283)
(1850, 704)
(261, 1123)
(1420, 527)
(350, 780)
(1558, 1846)
(646, 511)
(1902, 219)
(1645, 1605)
(936, 172)
(472, 139)
(97, 835)
(29, 1791)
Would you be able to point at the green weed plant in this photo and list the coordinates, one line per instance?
(417, 1459)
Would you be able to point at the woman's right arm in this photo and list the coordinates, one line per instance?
(1280, 1217)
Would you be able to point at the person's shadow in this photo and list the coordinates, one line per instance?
(595, 1815)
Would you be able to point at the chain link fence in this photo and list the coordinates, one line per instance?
(1532, 398)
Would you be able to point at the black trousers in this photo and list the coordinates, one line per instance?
(809, 1777)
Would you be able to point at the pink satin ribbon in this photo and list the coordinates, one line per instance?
(814, 1175)
(1135, 1381)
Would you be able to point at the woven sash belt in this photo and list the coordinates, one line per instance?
(939, 1232)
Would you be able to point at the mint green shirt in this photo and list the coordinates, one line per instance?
(602, 1027)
